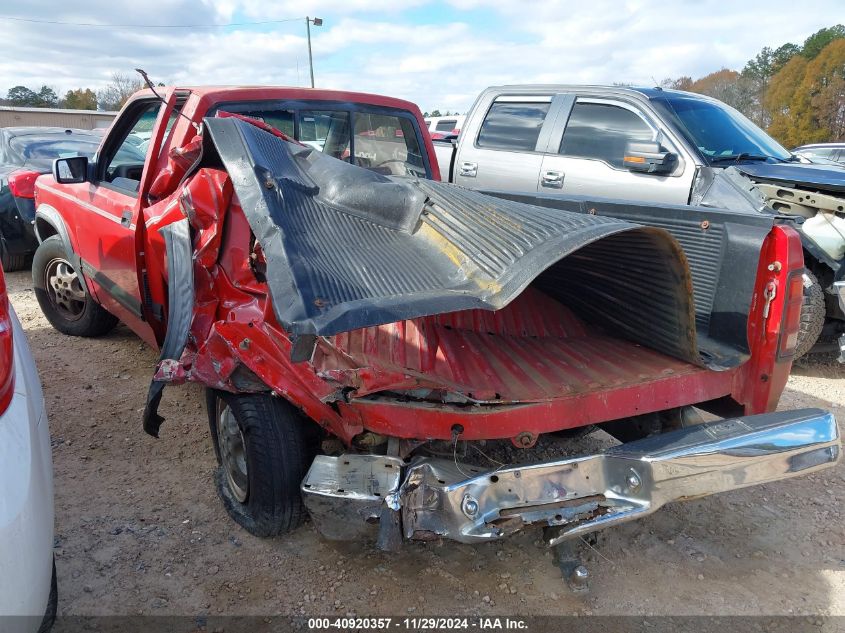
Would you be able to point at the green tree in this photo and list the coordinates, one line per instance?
(818, 41)
(22, 96)
(80, 99)
(47, 98)
(436, 113)
(768, 61)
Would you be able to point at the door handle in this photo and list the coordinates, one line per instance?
(126, 218)
(469, 170)
(553, 179)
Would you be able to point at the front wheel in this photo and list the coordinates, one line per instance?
(62, 294)
(263, 451)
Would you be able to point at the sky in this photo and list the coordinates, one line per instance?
(436, 53)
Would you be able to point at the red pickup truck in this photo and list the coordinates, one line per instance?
(370, 337)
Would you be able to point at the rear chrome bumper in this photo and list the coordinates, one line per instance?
(347, 495)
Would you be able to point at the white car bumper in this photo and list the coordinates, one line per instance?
(26, 498)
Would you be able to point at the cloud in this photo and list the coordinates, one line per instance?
(437, 54)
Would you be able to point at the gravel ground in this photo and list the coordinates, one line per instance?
(139, 529)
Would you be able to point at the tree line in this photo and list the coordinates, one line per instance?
(795, 92)
(111, 97)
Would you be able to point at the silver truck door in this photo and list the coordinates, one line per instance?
(587, 160)
(506, 151)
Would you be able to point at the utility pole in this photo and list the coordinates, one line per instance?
(317, 22)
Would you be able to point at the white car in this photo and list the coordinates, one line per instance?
(27, 570)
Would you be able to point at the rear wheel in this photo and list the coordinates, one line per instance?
(62, 294)
(813, 312)
(263, 451)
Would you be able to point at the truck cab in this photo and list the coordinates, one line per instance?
(116, 188)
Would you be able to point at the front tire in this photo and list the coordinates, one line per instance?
(263, 451)
(813, 313)
(62, 294)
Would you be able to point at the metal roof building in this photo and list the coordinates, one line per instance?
(13, 116)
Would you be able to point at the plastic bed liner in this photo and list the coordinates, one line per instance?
(347, 249)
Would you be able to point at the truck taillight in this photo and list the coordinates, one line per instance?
(7, 369)
(791, 320)
(786, 270)
(22, 183)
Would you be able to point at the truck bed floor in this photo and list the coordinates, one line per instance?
(535, 349)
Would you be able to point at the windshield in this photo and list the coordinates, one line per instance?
(721, 133)
(39, 150)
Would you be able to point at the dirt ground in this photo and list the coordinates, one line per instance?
(139, 529)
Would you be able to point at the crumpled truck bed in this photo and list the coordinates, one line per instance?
(347, 248)
(356, 295)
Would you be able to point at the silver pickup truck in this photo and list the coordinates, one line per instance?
(551, 143)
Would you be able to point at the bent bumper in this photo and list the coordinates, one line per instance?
(443, 499)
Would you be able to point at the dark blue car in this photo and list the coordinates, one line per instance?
(25, 154)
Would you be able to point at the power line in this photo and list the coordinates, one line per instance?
(149, 26)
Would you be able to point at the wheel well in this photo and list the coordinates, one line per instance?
(44, 229)
(822, 271)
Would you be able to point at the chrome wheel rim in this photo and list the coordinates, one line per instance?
(64, 287)
(232, 452)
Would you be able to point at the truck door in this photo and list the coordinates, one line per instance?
(108, 210)
(588, 159)
(507, 151)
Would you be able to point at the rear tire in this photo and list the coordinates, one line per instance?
(263, 451)
(813, 313)
(62, 294)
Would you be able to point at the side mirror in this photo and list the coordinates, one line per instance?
(648, 158)
(70, 170)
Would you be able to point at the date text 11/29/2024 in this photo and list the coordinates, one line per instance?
(418, 624)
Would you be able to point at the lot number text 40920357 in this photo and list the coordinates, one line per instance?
(418, 624)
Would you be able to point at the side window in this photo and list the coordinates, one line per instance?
(123, 167)
(513, 126)
(326, 131)
(446, 125)
(387, 144)
(601, 131)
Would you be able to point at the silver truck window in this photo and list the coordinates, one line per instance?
(601, 131)
(513, 126)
